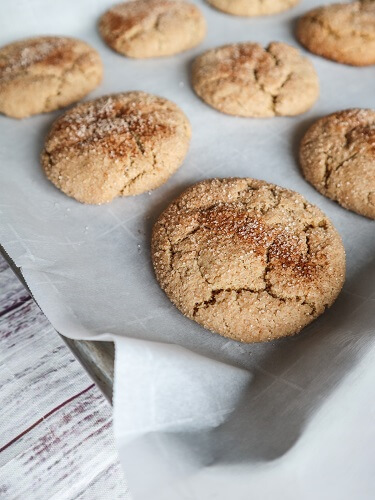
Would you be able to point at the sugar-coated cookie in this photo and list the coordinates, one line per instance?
(244, 79)
(46, 73)
(253, 7)
(247, 259)
(152, 28)
(117, 145)
(337, 157)
(342, 32)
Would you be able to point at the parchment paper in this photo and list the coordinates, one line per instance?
(196, 416)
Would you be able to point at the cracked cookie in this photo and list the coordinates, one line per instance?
(341, 32)
(253, 7)
(244, 79)
(117, 145)
(337, 156)
(247, 259)
(152, 28)
(42, 74)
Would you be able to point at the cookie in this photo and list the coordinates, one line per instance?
(118, 145)
(244, 79)
(337, 157)
(253, 7)
(247, 259)
(152, 28)
(41, 74)
(341, 32)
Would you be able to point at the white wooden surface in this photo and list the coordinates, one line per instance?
(56, 437)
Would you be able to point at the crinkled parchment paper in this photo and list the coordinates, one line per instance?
(197, 416)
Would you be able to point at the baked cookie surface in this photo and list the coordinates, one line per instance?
(247, 259)
(245, 79)
(117, 145)
(253, 7)
(337, 156)
(152, 28)
(341, 32)
(42, 74)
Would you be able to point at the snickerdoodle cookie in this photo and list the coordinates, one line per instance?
(253, 7)
(337, 156)
(46, 73)
(245, 79)
(342, 32)
(247, 259)
(152, 28)
(118, 145)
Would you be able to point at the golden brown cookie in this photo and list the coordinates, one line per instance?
(247, 259)
(152, 28)
(46, 73)
(342, 32)
(253, 7)
(118, 145)
(337, 157)
(244, 79)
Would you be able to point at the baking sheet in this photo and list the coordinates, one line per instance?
(197, 416)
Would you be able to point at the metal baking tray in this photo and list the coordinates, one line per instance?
(96, 357)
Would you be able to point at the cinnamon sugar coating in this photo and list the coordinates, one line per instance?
(342, 32)
(337, 156)
(247, 259)
(152, 28)
(244, 79)
(117, 145)
(42, 74)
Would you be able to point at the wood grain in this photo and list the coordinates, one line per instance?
(56, 437)
(12, 293)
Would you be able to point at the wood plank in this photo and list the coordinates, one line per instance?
(12, 293)
(56, 426)
(97, 358)
(67, 453)
(94, 490)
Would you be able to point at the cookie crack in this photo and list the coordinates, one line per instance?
(328, 28)
(275, 97)
(274, 94)
(277, 198)
(327, 170)
(157, 22)
(171, 252)
(312, 306)
(142, 30)
(190, 233)
(62, 80)
(133, 180)
(324, 26)
(342, 163)
(330, 170)
(371, 198)
(262, 88)
(145, 170)
(205, 304)
(268, 268)
(138, 141)
(50, 162)
(271, 293)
